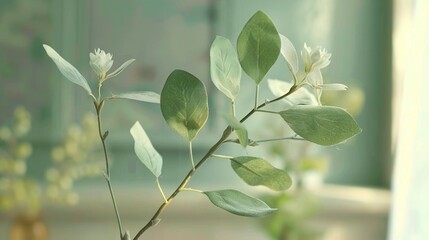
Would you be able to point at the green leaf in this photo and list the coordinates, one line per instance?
(324, 125)
(256, 171)
(258, 46)
(239, 203)
(142, 96)
(70, 72)
(120, 69)
(239, 128)
(225, 69)
(184, 103)
(145, 151)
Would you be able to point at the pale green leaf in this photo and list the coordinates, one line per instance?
(142, 96)
(184, 104)
(288, 51)
(70, 72)
(239, 203)
(239, 128)
(120, 69)
(145, 151)
(258, 46)
(225, 69)
(324, 125)
(256, 171)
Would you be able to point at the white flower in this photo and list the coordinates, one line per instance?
(315, 59)
(100, 62)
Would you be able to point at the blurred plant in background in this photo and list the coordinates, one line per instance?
(308, 167)
(75, 159)
(17, 191)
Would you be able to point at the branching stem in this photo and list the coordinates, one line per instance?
(209, 153)
(160, 189)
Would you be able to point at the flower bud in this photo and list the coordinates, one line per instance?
(100, 62)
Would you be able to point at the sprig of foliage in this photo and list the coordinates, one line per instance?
(184, 106)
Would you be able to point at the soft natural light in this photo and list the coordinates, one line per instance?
(410, 214)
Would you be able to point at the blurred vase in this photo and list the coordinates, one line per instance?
(28, 228)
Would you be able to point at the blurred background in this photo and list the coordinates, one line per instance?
(50, 160)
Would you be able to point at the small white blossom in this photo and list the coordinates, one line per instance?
(100, 62)
(315, 59)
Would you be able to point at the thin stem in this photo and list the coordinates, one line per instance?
(182, 185)
(228, 130)
(191, 156)
(221, 156)
(280, 139)
(98, 107)
(99, 91)
(266, 111)
(160, 190)
(233, 108)
(256, 96)
(190, 190)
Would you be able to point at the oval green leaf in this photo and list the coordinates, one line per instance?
(324, 125)
(258, 46)
(239, 203)
(256, 171)
(145, 150)
(142, 96)
(184, 104)
(225, 69)
(68, 71)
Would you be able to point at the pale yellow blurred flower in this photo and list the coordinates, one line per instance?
(66, 183)
(58, 154)
(5, 133)
(72, 198)
(19, 168)
(23, 150)
(52, 175)
(53, 192)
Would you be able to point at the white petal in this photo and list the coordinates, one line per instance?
(289, 53)
(334, 87)
(278, 87)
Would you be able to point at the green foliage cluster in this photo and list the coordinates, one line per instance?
(184, 106)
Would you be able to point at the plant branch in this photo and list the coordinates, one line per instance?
(182, 185)
(98, 107)
(154, 220)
